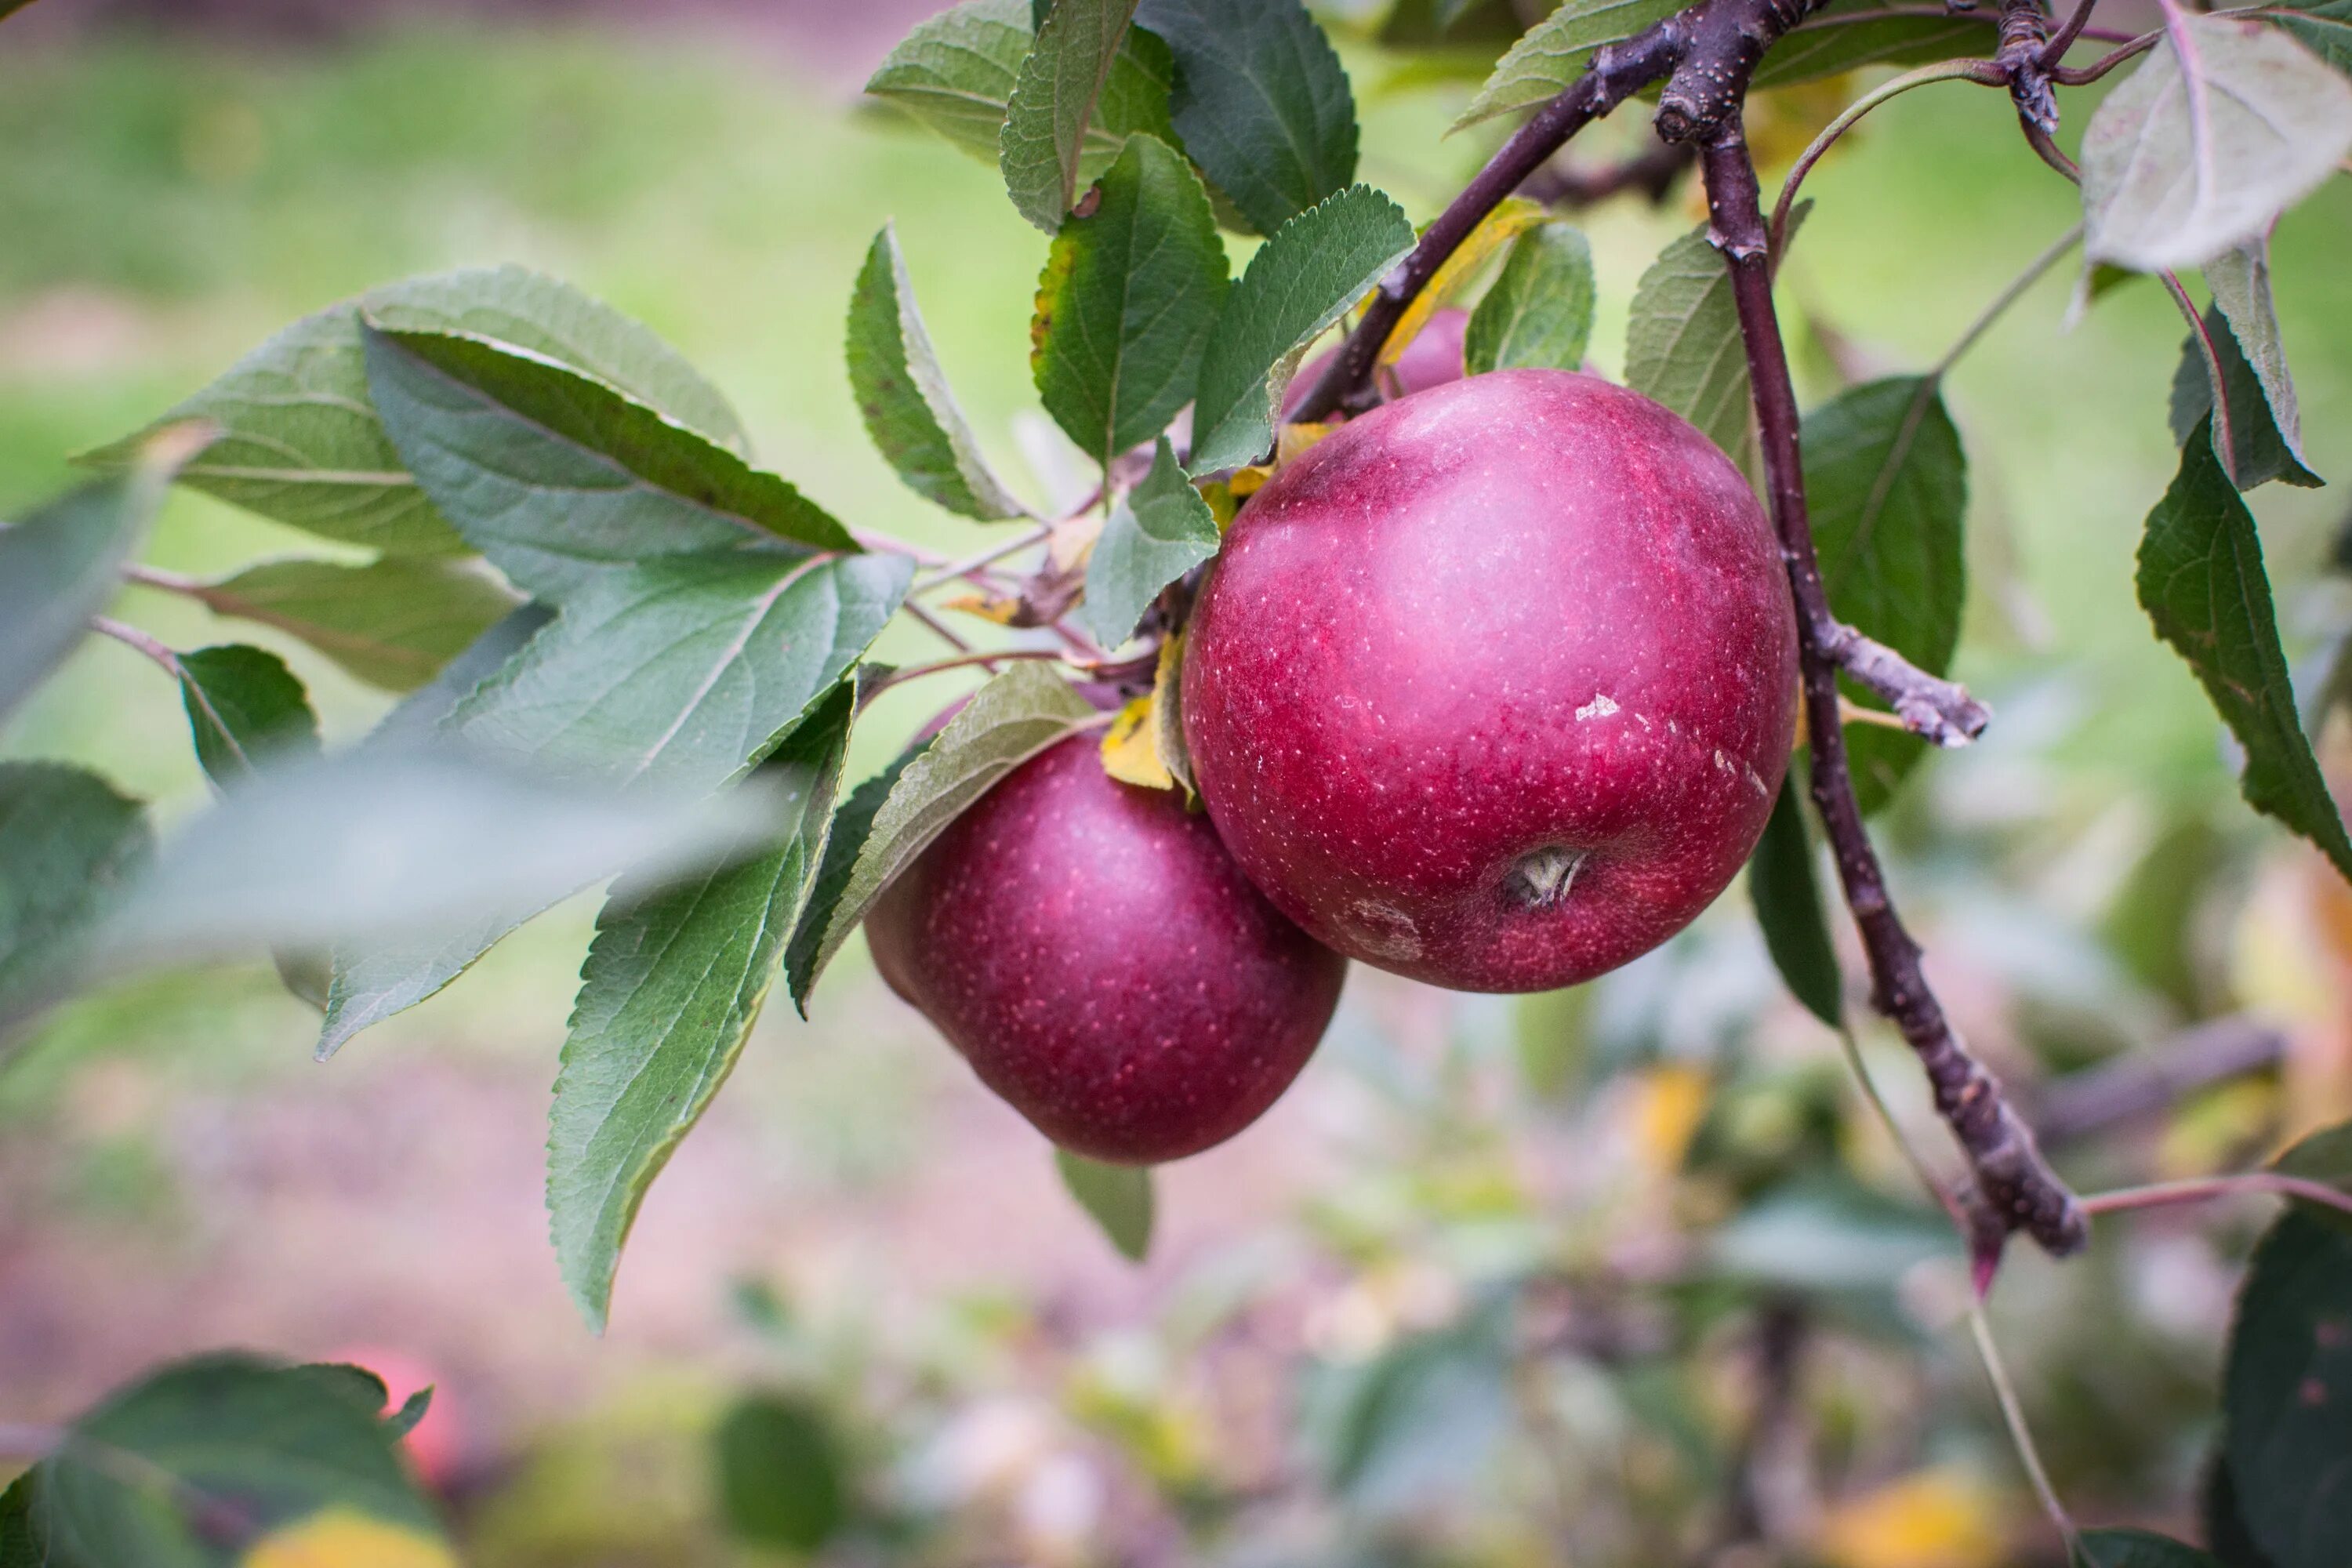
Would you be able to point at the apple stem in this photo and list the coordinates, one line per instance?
(2018, 1188)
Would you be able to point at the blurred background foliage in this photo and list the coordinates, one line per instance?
(1618, 1276)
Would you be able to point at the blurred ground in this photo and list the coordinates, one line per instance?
(175, 1173)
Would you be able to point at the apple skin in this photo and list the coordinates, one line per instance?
(1472, 635)
(1102, 964)
(1432, 359)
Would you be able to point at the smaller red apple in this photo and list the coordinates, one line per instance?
(1102, 964)
(1432, 359)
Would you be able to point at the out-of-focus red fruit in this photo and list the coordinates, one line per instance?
(1103, 964)
(1432, 359)
(436, 1446)
(1495, 686)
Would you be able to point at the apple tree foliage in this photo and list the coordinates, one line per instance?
(627, 656)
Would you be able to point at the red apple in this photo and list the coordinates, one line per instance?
(1495, 686)
(1103, 964)
(1432, 359)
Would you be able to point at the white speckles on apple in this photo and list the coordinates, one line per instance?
(1385, 930)
(1602, 706)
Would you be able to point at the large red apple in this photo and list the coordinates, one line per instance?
(1432, 359)
(1103, 964)
(1495, 686)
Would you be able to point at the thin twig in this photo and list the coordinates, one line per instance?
(1651, 172)
(2024, 33)
(2225, 438)
(2005, 299)
(2021, 1436)
(2022, 1192)
(1976, 70)
(955, 571)
(2085, 75)
(886, 545)
(939, 627)
(2053, 53)
(2140, 1084)
(132, 637)
(2200, 1189)
(962, 661)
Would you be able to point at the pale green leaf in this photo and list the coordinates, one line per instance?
(394, 622)
(1115, 1197)
(1299, 283)
(1539, 313)
(2241, 330)
(911, 416)
(302, 443)
(1556, 51)
(1127, 299)
(1012, 719)
(2194, 154)
(2201, 582)
(70, 845)
(1053, 103)
(1162, 531)
(1683, 346)
(675, 981)
(1261, 103)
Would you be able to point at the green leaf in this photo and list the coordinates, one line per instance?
(61, 565)
(1127, 299)
(411, 1413)
(781, 1470)
(1887, 482)
(197, 1464)
(19, 1546)
(852, 823)
(901, 391)
(1012, 719)
(674, 982)
(1053, 103)
(303, 444)
(392, 623)
(1557, 50)
(2181, 165)
(245, 708)
(420, 715)
(956, 74)
(2243, 329)
(2201, 582)
(1420, 1421)
(1162, 531)
(1830, 1235)
(1788, 900)
(1683, 346)
(2326, 29)
(70, 845)
(2287, 1394)
(2136, 1548)
(1299, 283)
(2323, 1156)
(1260, 101)
(1539, 313)
(1117, 1198)
(1853, 33)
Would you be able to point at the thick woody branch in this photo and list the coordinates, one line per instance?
(2147, 1083)
(1940, 710)
(2019, 1190)
(1652, 172)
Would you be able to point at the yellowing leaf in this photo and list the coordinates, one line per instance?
(1296, 441)
(344, 1538)
(1512, 219)
(987, 606)
(1130, 747)
(1668, 1104)
(1929, 1519)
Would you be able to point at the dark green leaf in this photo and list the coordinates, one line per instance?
(392, 623)
(2201, 582)
(2181, 165)
(195, 1465)
(956, 74)
(1053, 104)
(1538, 314)
(1788, 900)
(1853, 33)
(69, 845)
(303, 446)
(1012, 719)
(423, 711)
(2325, 28)
(676, 979)
(1130, 295)
(1162, 531)
(2225, 1524)
(1888, 485)
(1556, 51)
(245, 708)
(2287, 1394)
(1260, 100)
(852, 823)
(2323, 1156)
(2241, 331)
(1117, 1198)
(2136, 1548)
(59, 566)
(1299, 283)
(901, 391)
(19, 1547)
(780, 1473)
